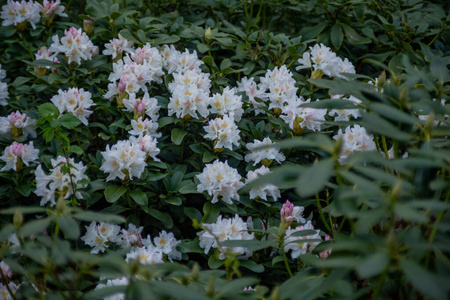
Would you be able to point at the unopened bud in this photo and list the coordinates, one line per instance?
(88, 26)
(18, 218)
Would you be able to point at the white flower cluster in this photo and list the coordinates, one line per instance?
(253, 92)
(227, 103)
(354, 138)
(263, 151)
(297, 244)
(299, 117)
(223, 131)
(263, 190)
(3, 88)
(126, 159)
(132, 73)
(234, 229)
(220, 180)
(116, 47)
(75, 45)
(190, 88)
(345, 114)
(122, 281)
(18, 154)
(101, 236)
(51, 8)
(18, 13)
(322, 58)
(75, 101)
(17, 124)
(46, 54)
(66, 178)
(280, 85)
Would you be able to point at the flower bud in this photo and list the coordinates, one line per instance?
(88, 26)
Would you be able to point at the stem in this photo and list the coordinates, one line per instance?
(7, 285)
(286, 263)
(27, 46)
(322, 216)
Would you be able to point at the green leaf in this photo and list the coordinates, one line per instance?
(423, 280)
(76, 149)
(337, 36)
(48, 109)
(23, 209)
(90, 216)
(188, 188)
(376, 124)
(163, 217)
(314, 178)
(231, 288)
(57, 78)
(202, 48)
(114, 192)
(69, 121)
(208, 156)
(252, 245)
(139, 197)
(34, 227)
(24, 189)
(192, 213)
(19, 81)
(214, 263)
(69, 227)
(373, 265)
(178, 135)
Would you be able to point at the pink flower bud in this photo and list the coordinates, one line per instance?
(286, 212)
(88, 26)
(16, 149)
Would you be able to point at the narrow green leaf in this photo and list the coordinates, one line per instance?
(139, 197)
(69, 227)
(373, 265)
(34, 227)
(178, 135)
(337, 36)
(163, 217)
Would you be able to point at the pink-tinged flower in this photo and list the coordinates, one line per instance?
(131, 237)
(326, 253)
(75, 45)
(116, 47)
(17, 124)
(18, 154)
(51, 8)
(286, 212)
(297, 244)
(253, 91)
(19, 13)
(6, 269)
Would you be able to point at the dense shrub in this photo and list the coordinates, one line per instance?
(218, 149)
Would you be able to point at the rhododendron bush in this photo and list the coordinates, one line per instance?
(220, 149)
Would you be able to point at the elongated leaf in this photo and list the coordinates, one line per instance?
(252, 245)
(337, 36)
(373, 265)
(178, 136)
(315, 178)
(163, 217)
(34, 227)
(139, 197)
(90, 216)
(69, 121)
(69, 227)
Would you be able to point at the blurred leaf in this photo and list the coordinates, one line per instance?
(373, 265)
(90, 216)
(252, 245)
(34, 227)
(114, 192)
(69, 227)
(314, 178)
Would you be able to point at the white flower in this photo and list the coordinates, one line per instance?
(75, 101)
(3, 88)
(5, 269)
(300, 117)
(101, 236)
(219, 179)
(16, 13)
(49, 9)
(261, 191)
(116, 47)
(131, 237)
(147, 143)
(354, 139)
(146, 255)
(188, 100)
(122, 281)
(75, 45)
(266, 151)
(296, 244)
(124, 160)
(167, 244)
(253, 91)
(345, 114)
(144, 127)
(4, 290)
(17, 124)
(191, 77)
(227, 103)
(281, 86)
(177, 62)
(223, 131)
(149, 105)
(64, 177)
(18, 153)
(225, 230)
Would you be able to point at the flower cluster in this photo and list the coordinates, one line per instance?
(75, 45)
(3, 88)
(19, 13)
(17, 124)
(116, 47)
(123, 160)
(65, 179)
(354, 138)
(253, 92)
(45, 54)
(51, 8)
(18, 154)
(263, 151)
(75, 101)
(345, 114)
(223, 131)
(219, 179)
(234, 229)
(261, 191)
(322, 58)
(296, 242)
